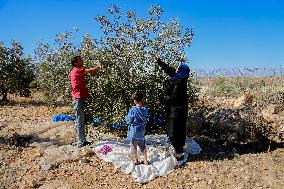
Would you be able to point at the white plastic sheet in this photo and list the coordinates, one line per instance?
(160, 155)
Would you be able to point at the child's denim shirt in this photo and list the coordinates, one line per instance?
(136, 120)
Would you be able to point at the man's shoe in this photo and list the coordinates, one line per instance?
(86, 143)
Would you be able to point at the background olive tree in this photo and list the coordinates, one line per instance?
(16, 71)
(124, 51)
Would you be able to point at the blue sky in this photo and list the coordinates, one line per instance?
(242, 33)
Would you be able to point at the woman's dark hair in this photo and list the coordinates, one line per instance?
(75, 60)
(138, 96)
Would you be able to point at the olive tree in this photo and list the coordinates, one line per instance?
(124, 51)
(16, 71)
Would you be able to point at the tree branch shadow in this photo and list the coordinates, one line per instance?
(222, 149)
(217, 143)
(24, 141)
(32, 102)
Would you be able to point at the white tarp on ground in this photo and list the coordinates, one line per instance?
(160, 156)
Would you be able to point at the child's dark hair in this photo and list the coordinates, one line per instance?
(138, 96)
(75, 60)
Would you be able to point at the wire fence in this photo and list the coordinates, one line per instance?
(240, 72)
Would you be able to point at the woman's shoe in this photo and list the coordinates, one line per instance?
(179, 158)
(148, 163)
(137, 163)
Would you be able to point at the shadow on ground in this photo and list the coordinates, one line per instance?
(31, 102)
(220, 149)
(25, 140)
(226, 133)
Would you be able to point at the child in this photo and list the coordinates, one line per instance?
(79, 96)
(136, 120)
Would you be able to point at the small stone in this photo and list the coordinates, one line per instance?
(84, 160)
(37, 154)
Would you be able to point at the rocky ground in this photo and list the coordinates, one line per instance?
(36, 153)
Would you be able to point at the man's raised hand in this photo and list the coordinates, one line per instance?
(93, 71)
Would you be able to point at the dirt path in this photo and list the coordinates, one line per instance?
(21, 158)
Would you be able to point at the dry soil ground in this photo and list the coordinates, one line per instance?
(21, 157)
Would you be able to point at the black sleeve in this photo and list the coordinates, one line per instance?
(167, 69)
